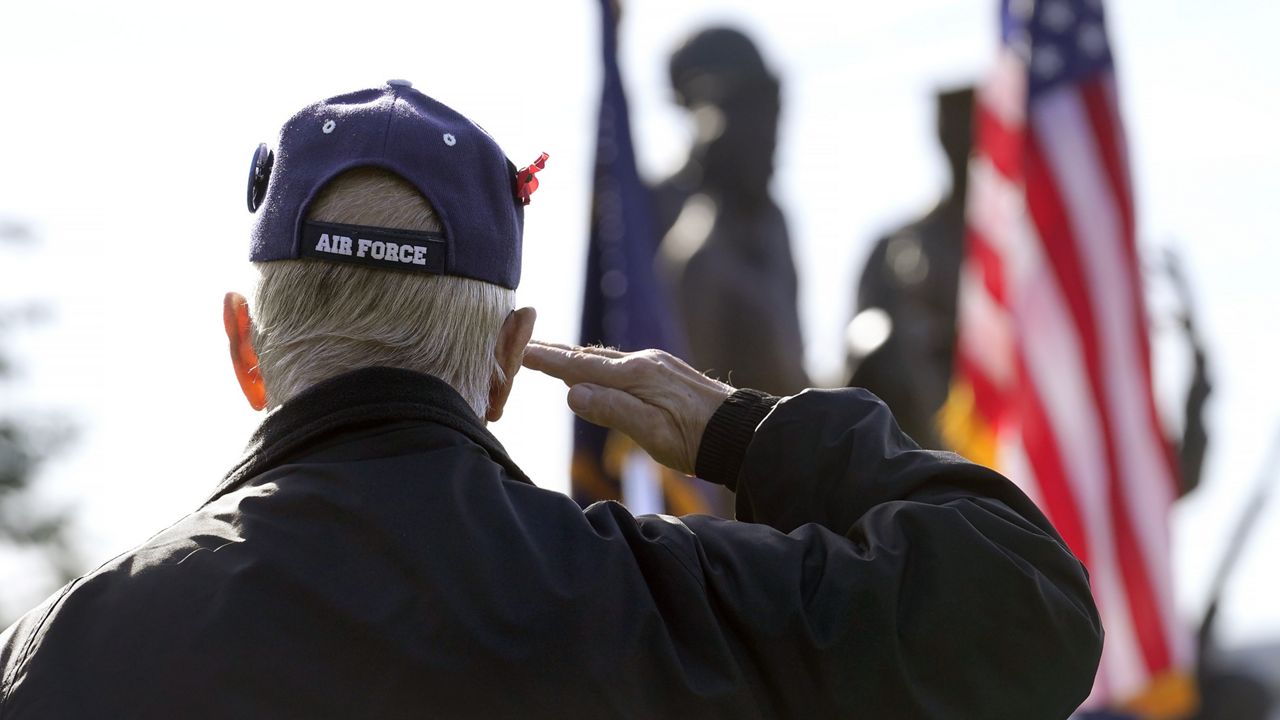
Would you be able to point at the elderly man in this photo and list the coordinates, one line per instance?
(377, 554)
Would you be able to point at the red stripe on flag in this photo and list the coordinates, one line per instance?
(988, 400)
(989, 264)
(1101, 111)
(1098, 109)
(1097, 105)
(999, 142)
(1054, 228)
(1147, 616)
(1043, 454)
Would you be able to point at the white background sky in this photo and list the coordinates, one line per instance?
(126, 130)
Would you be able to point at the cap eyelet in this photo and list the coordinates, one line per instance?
(259, 174)
(450, 140)
(328, 126)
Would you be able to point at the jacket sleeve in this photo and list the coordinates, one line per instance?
(876, 579)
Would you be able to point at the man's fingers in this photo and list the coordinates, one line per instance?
(588, 349)
(659, 401)
(576, 365)
(612, 408)
(560, 361)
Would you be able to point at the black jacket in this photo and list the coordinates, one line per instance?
(377, 554)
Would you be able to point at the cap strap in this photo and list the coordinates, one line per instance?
(376, 247)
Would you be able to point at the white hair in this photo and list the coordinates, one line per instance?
(313, 320)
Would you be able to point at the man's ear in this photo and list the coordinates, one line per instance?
(512, 339)
(244, 359)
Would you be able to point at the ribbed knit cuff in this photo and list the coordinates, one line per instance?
(724, 442)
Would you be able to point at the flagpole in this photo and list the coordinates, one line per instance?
(1235, 547)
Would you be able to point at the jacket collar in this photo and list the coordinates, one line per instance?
(360, 398)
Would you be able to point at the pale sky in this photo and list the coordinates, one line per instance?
(128, 128)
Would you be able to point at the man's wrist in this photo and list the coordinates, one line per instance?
(728, 433)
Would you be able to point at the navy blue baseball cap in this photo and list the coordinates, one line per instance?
(476, 191)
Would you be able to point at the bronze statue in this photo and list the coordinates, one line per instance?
(903, 336)
(1190, 448)
(725, 249)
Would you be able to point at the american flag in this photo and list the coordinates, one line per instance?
(1052, 379)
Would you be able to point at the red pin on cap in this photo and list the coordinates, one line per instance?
(526, 183)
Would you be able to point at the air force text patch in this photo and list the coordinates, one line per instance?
(376, 247)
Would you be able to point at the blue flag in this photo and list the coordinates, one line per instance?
(623, 303)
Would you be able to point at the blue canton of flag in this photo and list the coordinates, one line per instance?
(1062, 41)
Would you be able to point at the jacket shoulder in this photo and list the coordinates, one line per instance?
(20, 640)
